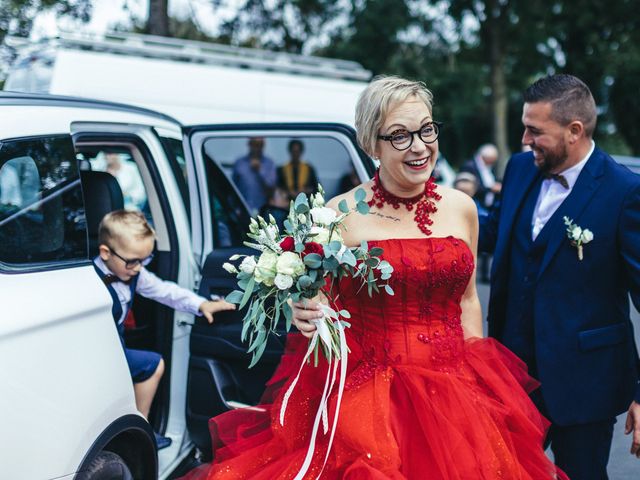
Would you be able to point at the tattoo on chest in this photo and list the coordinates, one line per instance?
(387, 217)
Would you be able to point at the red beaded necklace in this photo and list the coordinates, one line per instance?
(424, 202)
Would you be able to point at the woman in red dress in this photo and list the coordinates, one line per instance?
(426, 397)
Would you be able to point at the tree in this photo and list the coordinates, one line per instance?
(509, 34)
(158, 18)
(372, 34)
(17, 16)
(283, 25)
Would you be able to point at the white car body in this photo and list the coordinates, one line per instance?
(66, 389)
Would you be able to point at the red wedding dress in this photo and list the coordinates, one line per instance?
(419, 402)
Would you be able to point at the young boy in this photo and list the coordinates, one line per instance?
(126, 244)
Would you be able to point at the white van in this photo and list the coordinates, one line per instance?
(67, 408)
(192, 81)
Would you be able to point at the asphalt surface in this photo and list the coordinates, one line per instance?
(622, 466)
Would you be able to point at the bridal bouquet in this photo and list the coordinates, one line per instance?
(308, 257)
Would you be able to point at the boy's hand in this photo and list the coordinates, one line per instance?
(209, 307)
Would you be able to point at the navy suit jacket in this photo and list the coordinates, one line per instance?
(585, 352)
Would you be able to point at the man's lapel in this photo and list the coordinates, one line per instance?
(586, 185)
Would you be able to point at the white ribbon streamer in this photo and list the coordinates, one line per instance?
(322, 333)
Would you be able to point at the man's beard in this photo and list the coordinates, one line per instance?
(551, 159)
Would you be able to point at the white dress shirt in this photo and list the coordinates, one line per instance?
(150, 286)
(552, 194)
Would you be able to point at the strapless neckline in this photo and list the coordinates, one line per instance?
(413, 239)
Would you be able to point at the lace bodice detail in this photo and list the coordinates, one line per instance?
(420, 323)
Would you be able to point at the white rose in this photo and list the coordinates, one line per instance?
(575, 233)
(229, 268)
(289, 263)
(265, 270)
(321, 235)
(248, 265)
(283, 282)
(323, 215)
(587, 235)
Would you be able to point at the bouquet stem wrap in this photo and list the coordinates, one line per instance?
(322, 335)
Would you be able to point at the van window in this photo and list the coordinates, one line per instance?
(289, 165)
(175, 153)
(41, 209)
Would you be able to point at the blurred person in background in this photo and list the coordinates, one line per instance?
(255, 175)
(297, 176)
(481, 166)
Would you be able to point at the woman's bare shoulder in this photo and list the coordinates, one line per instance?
(349, 196)
(457, 201)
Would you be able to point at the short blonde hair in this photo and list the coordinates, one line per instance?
(374, 103)
(122, 226)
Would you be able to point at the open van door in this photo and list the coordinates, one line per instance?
(219, 377)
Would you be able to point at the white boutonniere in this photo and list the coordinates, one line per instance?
(578, 236)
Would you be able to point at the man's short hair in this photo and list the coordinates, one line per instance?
(375, 102)
(122, 226)
(570, 100)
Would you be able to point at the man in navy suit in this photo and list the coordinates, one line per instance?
(567, 315)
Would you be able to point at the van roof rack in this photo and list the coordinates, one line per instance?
(152, 46)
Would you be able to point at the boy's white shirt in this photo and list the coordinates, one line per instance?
(150, 286)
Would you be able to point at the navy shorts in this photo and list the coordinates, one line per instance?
(142, 363)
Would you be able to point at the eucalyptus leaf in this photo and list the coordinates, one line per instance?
(349, 258)
(313, 260)
(345, 314)
(362, 208)
(247, 293)
(360, 195)
(260, 338)
(389, 290)
(318, 284)
(261, 319)
(304, 281)
(330, 264)
(372, 262)
(335, 246)
(301, 199)
(302, 208)
(260, 350)
(245, 329)
(234, 297)
(376, 251)
(288, 315)
(343, 207)
(299, 247)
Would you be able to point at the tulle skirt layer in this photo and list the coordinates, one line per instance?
(471, 420)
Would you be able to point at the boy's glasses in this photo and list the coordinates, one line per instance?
(133, 262)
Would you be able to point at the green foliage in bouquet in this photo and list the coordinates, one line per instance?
(308, 257)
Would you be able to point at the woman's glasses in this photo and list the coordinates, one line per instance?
(402, 139)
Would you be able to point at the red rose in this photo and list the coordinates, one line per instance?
(312, 247)
(288, 244)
